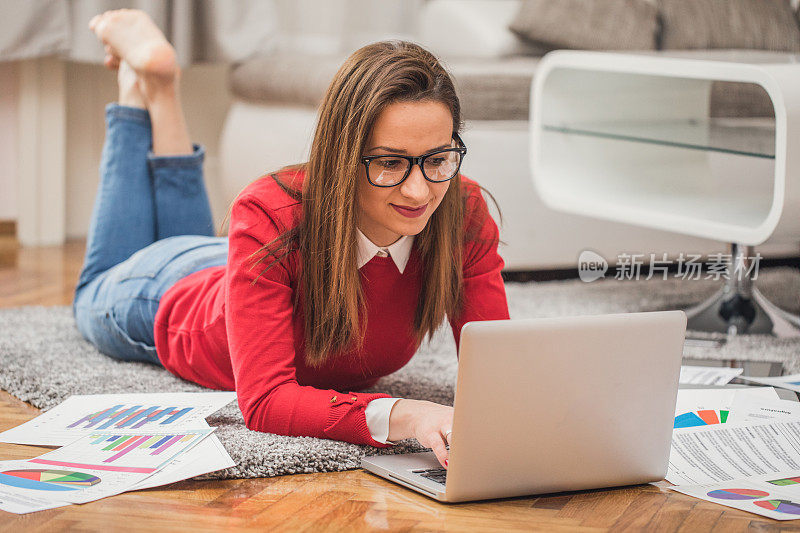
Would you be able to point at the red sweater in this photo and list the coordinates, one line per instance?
(216, 329)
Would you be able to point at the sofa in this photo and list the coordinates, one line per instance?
(493, 56)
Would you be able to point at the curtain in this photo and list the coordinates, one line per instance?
(200, 30)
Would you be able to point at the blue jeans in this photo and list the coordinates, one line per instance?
(150, 227)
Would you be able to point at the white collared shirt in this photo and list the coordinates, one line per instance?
(378, 410)
(399, 251)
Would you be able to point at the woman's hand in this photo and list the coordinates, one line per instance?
(428, 422)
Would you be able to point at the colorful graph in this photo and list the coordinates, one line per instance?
(785, 481)
(703, 417)
(737, 494)
(780, 506)
(50, 480)
(124, 444)
(133, 417)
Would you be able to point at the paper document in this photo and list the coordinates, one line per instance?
(774, 496)
(124, 451)
(112, 443)
(208, 456)
(30, 483)
(704, 407)
(784, 382)
(18, 501)
(702, 455)
(48, 481)
(119, 461)
(748, 409)
(750, 463)
(708, 375)
(78, 416)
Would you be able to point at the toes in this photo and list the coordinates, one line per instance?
(111, 62)
(100, 22)
(130, 34)
(96, 21)
(111, 59)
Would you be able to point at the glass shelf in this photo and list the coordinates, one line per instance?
(741, 136)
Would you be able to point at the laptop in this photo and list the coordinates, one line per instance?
(554, 404)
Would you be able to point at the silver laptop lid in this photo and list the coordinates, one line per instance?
(568, 403)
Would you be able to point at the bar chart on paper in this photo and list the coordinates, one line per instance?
(133, 417)
(81, 415)
(121, 445)
(142, 452)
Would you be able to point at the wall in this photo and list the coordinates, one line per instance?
(9, 79)
(89, 87)
(343, 25)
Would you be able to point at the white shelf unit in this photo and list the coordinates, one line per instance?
(629, 138)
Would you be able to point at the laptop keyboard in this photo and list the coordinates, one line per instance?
(439, 475)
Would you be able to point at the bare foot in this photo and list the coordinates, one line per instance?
(148, 70)
(129, 92)
(132, 37)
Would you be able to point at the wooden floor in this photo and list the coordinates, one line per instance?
(352, 501)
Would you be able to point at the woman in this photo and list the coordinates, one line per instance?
(333, 271)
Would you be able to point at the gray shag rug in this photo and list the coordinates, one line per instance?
(43, 360)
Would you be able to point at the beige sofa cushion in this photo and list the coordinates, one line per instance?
(751, 24)
(489, 89)
(494, 89)
(290, 78)
(588, 24)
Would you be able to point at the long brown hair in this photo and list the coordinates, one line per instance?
(372, 78)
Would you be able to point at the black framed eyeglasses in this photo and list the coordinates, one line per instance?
(437, 166)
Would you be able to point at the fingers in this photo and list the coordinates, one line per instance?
(437, 444)
(431, 423)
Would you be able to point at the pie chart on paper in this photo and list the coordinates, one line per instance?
(49, 480)
(737, 494)
(785, 481)
(780, 506)
(703, 417)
